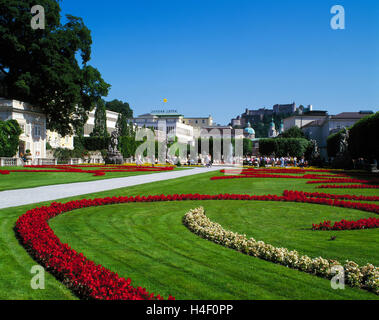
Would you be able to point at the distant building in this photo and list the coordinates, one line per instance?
(257, 116)
(174, 122)
(32, 122)
(300, 120)
(272, 133)
(284, 108)
(236, 122)
(111, 122)
(57, 141)
(324, 125)
(199, 122)
(251, 116)
(249, 132)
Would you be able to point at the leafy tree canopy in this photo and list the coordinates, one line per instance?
(293, 132)
(9, 138)
(100, 127)
(41, 67)
(120, 107)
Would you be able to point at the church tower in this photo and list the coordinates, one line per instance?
(272, 133)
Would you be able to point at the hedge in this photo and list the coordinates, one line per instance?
(92, 143)
(333, 143)
(282, 147)
(364, 138)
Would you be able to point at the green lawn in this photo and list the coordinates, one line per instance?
(21, 180)
(148, 243)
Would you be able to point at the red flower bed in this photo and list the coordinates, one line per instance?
(4, 172)
(83, 276)
(351, 186)
(77, 169)
(285, 170)
(339, 181)
(266, 175)
(347, 225)
(92, 281)
(338, 196)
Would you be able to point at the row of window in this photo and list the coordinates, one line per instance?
(196, 121)
(35, 130)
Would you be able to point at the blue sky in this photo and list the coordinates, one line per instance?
(219, 57)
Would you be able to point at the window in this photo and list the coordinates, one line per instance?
(37, 130)
(28, 129)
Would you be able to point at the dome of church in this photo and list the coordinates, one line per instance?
(249, 130)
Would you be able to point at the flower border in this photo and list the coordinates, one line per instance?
(369, 223)
(365, 277)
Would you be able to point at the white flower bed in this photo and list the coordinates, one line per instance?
(366, 277)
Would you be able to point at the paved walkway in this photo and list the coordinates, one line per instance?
(14, 198)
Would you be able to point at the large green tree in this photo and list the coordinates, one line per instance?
(9, 138)
(100, 127)
(293, 132)
(122, 125)
(120, 107)
(41, 66)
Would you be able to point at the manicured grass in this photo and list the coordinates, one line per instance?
(147, 242)
(21, 180)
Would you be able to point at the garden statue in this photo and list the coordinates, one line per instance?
(113, 155)
(343, 147)
(314, 154)
(343, 158)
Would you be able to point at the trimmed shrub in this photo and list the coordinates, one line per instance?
(332, 144)
(92, 143)
(127, 146)
(364, 138)
(282, 147)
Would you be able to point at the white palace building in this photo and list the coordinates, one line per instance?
(174, 122)
(32, 123)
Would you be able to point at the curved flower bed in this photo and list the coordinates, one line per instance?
(87, 279)
(351, 186)
(92, 281)
(347, 225)
(334, 196)
(283, 170)
(265, 175)
(366, 277)
(338, 180)
(101, 171)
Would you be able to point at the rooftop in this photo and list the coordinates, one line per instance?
(352, 115)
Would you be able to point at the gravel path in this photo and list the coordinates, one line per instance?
(14, 198)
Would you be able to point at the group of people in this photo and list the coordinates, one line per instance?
(276, 162)
(207, 161)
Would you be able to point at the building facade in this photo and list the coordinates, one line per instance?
(284, 108)
(57, 141)
(111, 122)
(199, 122)
(173, 121)
(33, 125)
(300, 120)
(321, 128)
